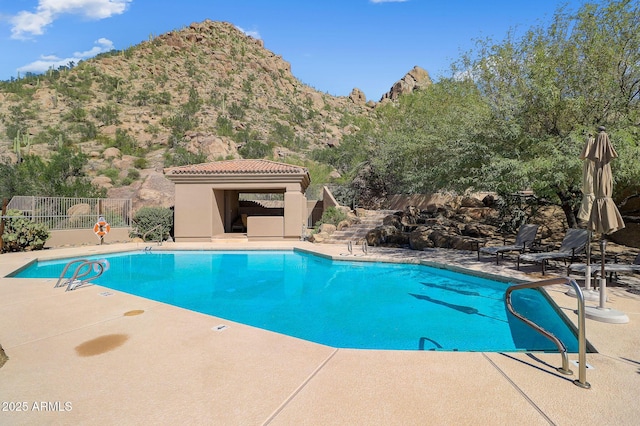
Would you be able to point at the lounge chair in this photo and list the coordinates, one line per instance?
(526, 236)
(609, 268)
(573, 243)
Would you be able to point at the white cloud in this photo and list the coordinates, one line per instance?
(103, 45)
(51, 61)
(255, 34)
(27, 23)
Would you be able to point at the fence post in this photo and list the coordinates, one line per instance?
(5, 201)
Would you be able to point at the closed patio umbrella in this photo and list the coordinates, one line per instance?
(585, 206)
(587, 180)
(605, 217)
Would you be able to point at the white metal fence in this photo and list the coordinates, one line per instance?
(59, 213)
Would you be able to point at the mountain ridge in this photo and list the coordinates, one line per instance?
(205, 92)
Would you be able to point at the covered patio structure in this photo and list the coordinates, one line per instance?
(208, 200)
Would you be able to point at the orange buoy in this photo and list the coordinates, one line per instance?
(101, 228)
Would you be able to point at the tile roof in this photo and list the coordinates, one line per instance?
(237, 167)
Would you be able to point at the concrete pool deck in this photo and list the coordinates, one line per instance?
(99, 356)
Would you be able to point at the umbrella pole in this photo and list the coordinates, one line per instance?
(587, 271)
(601, 312)
(603, 275)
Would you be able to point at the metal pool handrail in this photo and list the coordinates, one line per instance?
(582, 342)
(60, 283)
(78, 278)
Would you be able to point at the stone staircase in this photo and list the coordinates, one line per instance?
(357, 232)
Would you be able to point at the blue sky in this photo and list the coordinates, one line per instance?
(332, 45)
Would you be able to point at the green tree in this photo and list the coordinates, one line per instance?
(61, 176)
(549, 88)
(514, 114)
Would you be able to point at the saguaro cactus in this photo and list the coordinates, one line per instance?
(19, 142)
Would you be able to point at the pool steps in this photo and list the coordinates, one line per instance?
(357, 232)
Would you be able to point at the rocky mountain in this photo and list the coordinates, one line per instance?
(202, 93)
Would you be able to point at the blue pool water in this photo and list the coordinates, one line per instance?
(344, 304)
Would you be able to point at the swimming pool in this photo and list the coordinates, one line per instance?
(346, 304)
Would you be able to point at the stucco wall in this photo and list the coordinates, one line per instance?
(265, 227)
(79, 237)
(193, 215)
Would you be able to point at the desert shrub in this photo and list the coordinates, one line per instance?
(282, 134)
(21, 234)
(133, 174)
(86, 130)
(126, 143)
(179, 124)
(255, 149)
(236, 111)
(182, 157)
(152, 223)
(162, 98)
(112, 174)
(224, 126)
(140, 163)
(331, 215)
(107, 114)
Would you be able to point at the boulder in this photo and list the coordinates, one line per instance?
(357, 96)
(471, 202)
(360, 212)
(398, 239)
(111, 153)
(102, 182)
(478, 230)
(211, 145)
(77, 212)
(316, 100)
(383, 235)
(459, 242)
(79, 209)
(125, 163)
(419, 238)
(475, 214)
(440, 238)
(417, 78)
(156, 191)
(628, 236)
(327, 228)
(343, 225)
(318, 237)
(489, 200)
(392, 220)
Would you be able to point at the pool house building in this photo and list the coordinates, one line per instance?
(265, 200)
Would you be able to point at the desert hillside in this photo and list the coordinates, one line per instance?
(202, 93)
